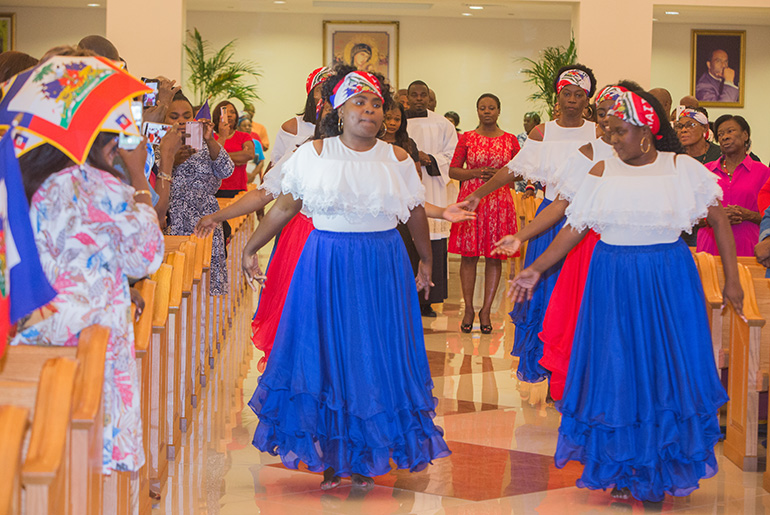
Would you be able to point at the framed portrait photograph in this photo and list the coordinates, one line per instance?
(718, 68)
(368, 45)
(7, 31)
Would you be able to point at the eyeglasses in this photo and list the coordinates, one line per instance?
(686, 125)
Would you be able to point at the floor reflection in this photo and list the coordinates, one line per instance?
(502, 442)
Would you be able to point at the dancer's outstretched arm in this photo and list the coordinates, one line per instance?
(284, 210)
(418, 228)
(251, 202)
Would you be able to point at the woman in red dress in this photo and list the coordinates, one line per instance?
(483, 151)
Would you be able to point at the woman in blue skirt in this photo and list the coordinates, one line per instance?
(347, 388)
(641, 402)
(547, 148)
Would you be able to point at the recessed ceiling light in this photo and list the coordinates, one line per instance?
(654, 19)
(94, 5)
(467, 14)
(476, 7)
(279, 2)
(673, 13)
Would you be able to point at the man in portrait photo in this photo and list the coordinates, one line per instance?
(717, 84)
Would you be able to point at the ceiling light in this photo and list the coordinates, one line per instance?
(654, 19)
(94, 5)
(467, 14)
(279, 2)
(476, 7)
(673, 13)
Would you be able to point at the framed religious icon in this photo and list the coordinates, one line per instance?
(368, 45)
(7, 31)
(718, 68)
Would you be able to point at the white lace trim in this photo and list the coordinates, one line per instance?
(539, 161)
(352, 189)
(659, 203)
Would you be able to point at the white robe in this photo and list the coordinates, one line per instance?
(435, 135)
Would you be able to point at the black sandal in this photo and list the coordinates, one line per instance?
(466, 328)
(485, 328)
(331, 480)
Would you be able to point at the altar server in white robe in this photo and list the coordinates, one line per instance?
(436, 139)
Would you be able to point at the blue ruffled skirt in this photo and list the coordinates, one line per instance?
(347, 385)
(528, 316)
(642, 391)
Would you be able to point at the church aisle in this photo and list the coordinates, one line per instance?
(502, 461)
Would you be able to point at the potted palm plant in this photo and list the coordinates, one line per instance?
(541, 72)
(219, 76)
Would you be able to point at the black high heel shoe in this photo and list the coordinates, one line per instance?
(466, 328)
(485, 328)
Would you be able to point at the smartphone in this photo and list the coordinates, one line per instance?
(137, 112)
(129, 141)
(155, 131)
(194, 135)
(150, 99)
(223, 113)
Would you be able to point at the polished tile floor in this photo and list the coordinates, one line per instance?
(502, 449)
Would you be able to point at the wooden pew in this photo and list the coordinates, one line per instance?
(740, 445)
(157, 364)
(13, 427)
(49, 402)
(710, 280)
(140, 481)
(23, 362)
(174, 407)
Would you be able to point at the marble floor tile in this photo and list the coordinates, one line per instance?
(502, 438)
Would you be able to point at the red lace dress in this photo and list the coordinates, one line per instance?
(496, 215)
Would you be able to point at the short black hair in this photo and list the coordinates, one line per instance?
(181, 96)
(489, 95)
(452, 116)
(580, 67)
(416, 83)
(534, 115)
(740, 120)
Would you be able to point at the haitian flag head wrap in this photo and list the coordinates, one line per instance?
(574, 77)
(610, 93)
(633, 109)
(353, 84)
(316, 77)
(695, 115)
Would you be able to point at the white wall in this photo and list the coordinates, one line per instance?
(40, 28)
(671, 70)
(459, 58)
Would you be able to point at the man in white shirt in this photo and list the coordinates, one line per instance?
(436, 139)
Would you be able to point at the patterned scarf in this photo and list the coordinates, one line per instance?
(574, 77)
(695, 115)
(610, 93)
(633, 109)
(316, 77)
(353, 84)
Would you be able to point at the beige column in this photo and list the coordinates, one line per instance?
(149, 35)
(614, 38)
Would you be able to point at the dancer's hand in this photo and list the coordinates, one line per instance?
(423, 277)
(254, 274)
(734, 294)
(473, 202)
(508, 245)
(459, 212)
(522, 286)
(205, 226)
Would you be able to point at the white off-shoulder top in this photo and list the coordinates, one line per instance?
(568, 177)
(344, 190)
(538, 161)
(644, 205)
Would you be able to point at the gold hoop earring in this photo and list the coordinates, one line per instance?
(339, 123)
(641, 145)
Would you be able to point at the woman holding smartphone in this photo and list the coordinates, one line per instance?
(195, 179)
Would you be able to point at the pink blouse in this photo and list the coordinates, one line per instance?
(742, 190)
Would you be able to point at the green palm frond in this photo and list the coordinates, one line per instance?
(542, 72)
(219, 76)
